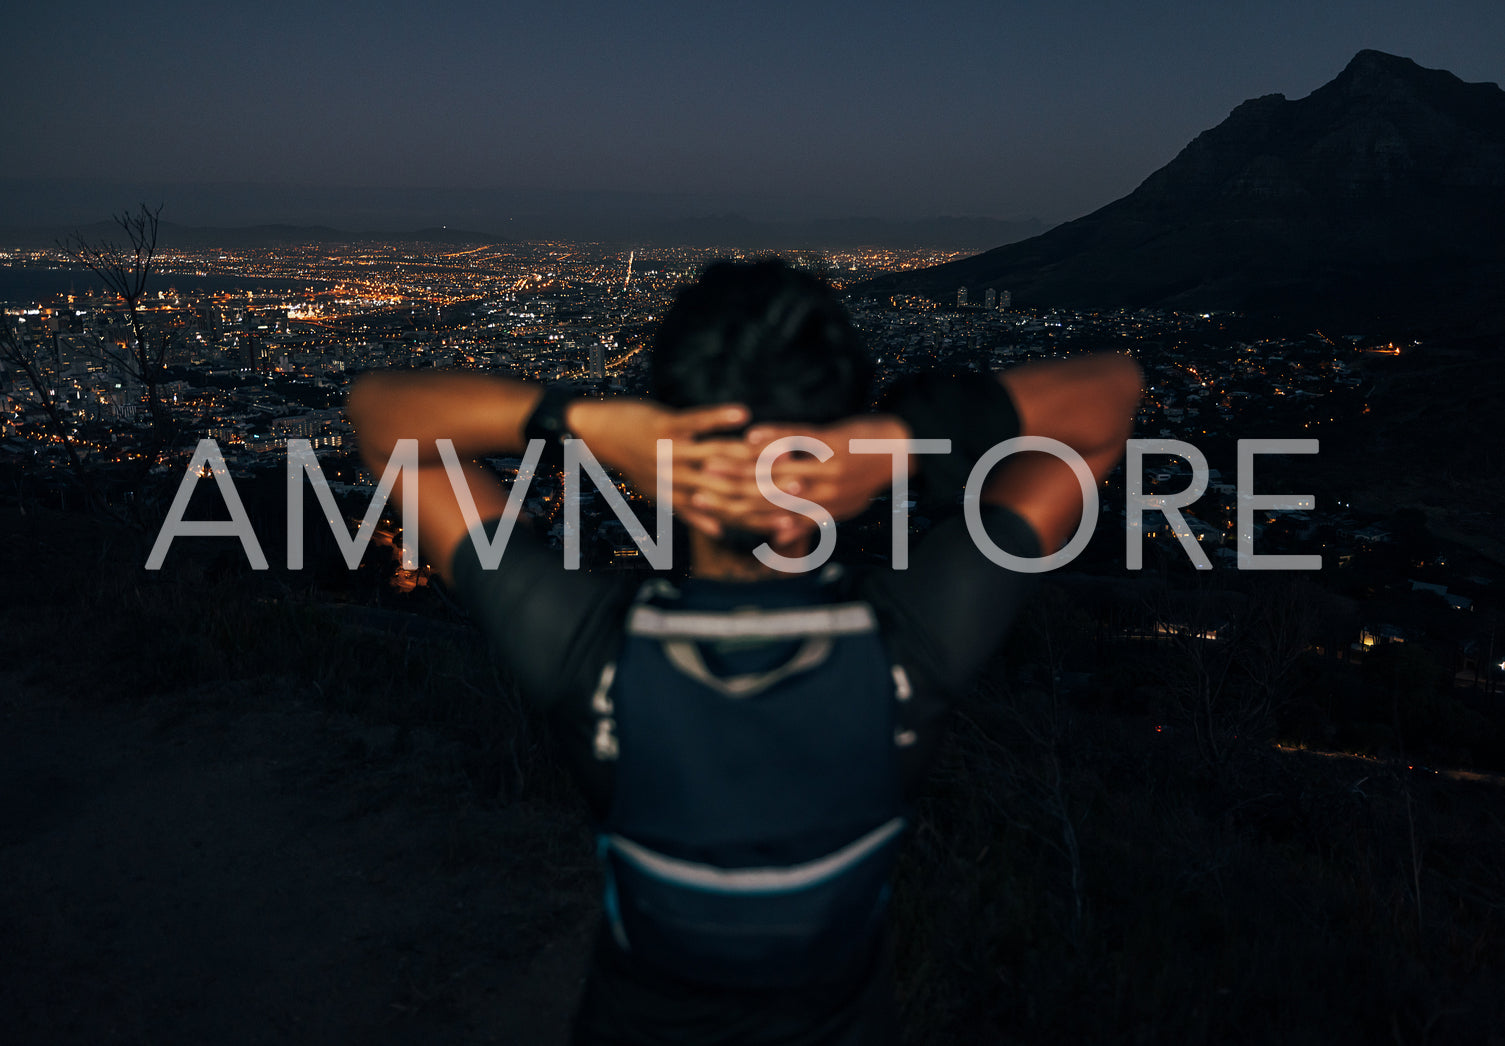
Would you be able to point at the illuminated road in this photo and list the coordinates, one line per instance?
(1456, 775)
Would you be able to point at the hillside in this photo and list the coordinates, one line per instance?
(1378, 198)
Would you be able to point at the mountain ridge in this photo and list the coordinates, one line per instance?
(1378, 197)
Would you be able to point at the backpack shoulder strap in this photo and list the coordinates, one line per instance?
(833, 619)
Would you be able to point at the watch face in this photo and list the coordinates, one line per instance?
(547, 421)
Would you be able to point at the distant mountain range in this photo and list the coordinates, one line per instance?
(190, 237)
(715, 230)
(1378, 198)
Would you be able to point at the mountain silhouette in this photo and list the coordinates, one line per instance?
(1378, 197)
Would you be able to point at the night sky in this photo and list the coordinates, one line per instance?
(384, 115)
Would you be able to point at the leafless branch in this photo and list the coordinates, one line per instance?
(127, 271)
(124, 271)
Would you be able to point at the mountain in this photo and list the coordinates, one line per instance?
(1379, 197)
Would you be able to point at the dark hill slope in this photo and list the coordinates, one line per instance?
(1381, 195)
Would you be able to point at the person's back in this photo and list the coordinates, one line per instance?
(745, 736)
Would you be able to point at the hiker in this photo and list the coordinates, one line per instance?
(746, 735)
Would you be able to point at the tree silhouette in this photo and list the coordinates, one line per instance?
(1274, 630)
(1196, 663)
(126, 271)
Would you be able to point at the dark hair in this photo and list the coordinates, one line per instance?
(764, 334)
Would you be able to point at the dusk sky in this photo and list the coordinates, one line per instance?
(379, 114)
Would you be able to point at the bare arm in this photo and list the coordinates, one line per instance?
(484, 415)
(1086, 402)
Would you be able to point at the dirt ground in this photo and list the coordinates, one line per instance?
(243, 868)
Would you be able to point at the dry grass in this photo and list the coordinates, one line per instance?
(1071, 876)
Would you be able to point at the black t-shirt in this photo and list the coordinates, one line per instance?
(556, 629)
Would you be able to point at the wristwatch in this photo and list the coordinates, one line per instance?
(547, 421)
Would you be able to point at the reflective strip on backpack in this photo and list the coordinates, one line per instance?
(902, 690)
(600, 701)
(782, 623)
(685, 656)
(755, 880)
(604, 745)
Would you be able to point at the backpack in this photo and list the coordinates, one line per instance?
(755, 817)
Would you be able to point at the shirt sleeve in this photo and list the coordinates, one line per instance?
(974, 411)
(552, 628)
(945, 615)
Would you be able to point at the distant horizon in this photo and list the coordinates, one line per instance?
(44, 200)
(31, 205)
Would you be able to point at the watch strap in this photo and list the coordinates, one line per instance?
(547, 422)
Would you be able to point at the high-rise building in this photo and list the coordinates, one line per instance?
(990, 299)
(598, 360)
(1005, 299)
(961, 296)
